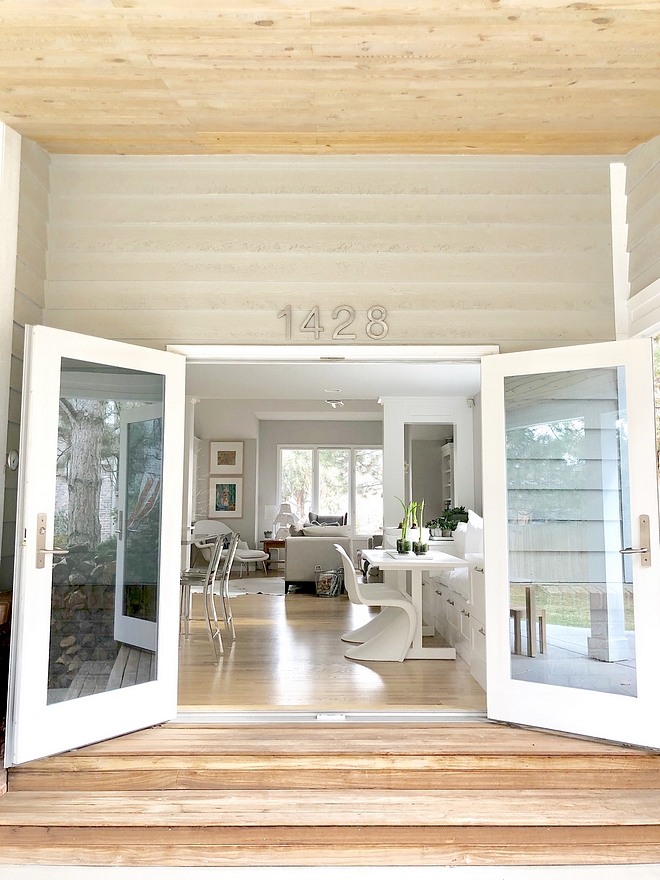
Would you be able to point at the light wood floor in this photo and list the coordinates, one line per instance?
(288, 655)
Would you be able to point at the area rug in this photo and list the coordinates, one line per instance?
(268, 586)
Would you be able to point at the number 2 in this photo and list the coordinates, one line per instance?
(351, 317)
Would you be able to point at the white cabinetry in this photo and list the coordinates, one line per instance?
(461, 620)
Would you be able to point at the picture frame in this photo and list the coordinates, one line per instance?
(225, 497)
(226, 457)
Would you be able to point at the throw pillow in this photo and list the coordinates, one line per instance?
(474, 537)
(327, 520)
(327, 531)
(296, 533)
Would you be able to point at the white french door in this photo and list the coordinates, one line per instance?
(138, 502)
(95, 622)
(572, 555)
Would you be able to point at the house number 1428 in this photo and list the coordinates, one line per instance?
(376, 327)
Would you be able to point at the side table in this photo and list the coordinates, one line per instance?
(272, 544)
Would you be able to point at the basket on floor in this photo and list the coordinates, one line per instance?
(329, 582)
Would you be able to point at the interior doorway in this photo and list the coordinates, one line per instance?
(288, 655)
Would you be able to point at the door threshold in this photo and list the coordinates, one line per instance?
(350, 717)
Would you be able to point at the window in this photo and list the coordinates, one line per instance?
(333, 480)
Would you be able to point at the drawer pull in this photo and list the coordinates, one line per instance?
(480, 570)
(482, 631)
(438, 592)
(465, 613)
(451, 601)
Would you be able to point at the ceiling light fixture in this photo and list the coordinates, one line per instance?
(335, 403)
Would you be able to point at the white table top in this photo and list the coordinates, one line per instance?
(390, 559)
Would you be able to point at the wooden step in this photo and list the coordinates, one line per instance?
(336, 795)
(477, 756)
(294, 827)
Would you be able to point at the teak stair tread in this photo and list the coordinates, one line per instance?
(266, 808)
(335, 794)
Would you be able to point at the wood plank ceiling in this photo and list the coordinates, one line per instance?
(331, 76)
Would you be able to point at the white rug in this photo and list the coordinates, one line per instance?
(269, 586)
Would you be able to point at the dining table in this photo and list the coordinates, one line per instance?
(391, 560)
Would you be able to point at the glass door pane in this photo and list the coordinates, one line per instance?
(85, 645)
(568, 499)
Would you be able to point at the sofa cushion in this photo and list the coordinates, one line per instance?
(327, 531)
(459, 535)
(474, 537)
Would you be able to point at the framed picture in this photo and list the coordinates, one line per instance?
(225, 497)
(226, 457)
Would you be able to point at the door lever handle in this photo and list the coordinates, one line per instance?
(644, 540)
(42, 550)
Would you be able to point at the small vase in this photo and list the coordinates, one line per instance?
(402, 546)
(420, 548)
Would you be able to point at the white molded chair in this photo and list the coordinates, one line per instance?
(389, 635)
(244, 555)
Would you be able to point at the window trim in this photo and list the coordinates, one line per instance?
(316, 447)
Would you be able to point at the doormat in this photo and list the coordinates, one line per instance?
(267, 586)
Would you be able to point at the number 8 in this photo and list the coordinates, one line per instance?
(377, 315)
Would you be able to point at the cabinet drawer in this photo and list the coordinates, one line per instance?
(478, 589)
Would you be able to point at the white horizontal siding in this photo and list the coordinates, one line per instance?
(643, 188)
(158, 250)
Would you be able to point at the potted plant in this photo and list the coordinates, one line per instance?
(443, 525)
(403, 544)
(420, 546)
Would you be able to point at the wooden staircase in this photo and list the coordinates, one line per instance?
(335, 794)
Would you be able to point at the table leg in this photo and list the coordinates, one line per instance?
(530, 610)
(418, 651)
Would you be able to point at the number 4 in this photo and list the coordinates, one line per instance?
(311, 323)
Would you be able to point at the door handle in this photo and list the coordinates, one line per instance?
(644, 539)
(119, 529)
(42, 550)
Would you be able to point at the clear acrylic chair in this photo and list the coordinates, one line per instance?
(196, 580)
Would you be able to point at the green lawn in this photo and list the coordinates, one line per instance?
(568, 604)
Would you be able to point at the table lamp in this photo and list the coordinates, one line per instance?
(285, 518)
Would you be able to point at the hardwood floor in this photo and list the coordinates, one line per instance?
(332, 794)
(288, 656)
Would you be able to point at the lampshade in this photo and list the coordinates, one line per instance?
(285, 507)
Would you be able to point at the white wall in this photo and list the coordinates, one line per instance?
(24, 206)
(507, 250)
(398, 412)
(643, 190)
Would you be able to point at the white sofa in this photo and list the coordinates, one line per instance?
(304, 553)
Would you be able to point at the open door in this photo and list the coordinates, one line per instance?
(96, 591)
(571, 540)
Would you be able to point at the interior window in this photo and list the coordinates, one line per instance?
(334, 480)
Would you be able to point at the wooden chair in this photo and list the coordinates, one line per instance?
(389, 635)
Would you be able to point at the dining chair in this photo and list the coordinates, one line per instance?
(388, 636)
(199, 580)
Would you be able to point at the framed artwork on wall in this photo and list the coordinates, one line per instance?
(226, 457)
(225, 497)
